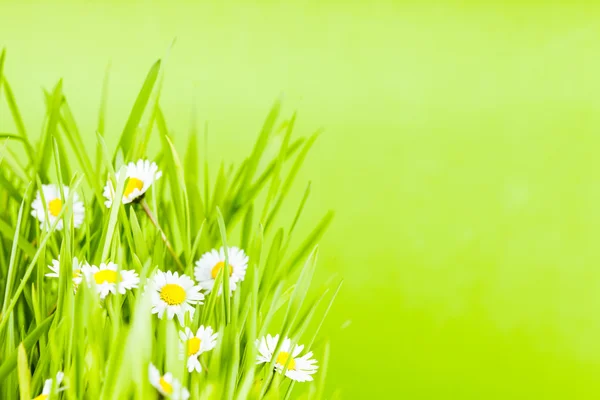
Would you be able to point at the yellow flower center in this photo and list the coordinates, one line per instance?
(193, 346)
(132, 184)
(218, 267)
(76, 273)
(54, 206)
(105, 275)
(41, 397)
(165, 386)
(282, 359)
(172, 294)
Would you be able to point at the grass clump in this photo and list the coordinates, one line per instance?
(113, 267)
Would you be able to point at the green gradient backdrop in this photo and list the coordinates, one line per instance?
(460, 155)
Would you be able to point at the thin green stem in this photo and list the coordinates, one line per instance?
(162, 233)
(203, 363)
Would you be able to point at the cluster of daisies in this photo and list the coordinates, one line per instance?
(49, 202)
(172, 294)
(107, 277)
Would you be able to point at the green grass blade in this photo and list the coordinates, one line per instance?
(11, 189)
(241, 197)
(226, 297)
(297, 215)
(206, 172)
(18, 120)
(129, 132)
(72, 132)
(103, 102)
(323, 372)
(247, 228)
(102, 117)
(24, 373)
(309, 242)
(179, 187)
(7, 231)
(261, 143)
(318, 329)
(12, 268)
(141, 249)
(14, 136)
(276, 180)
(195, 246)
(114, 213)
(45, 146)
(10, 362)
(290, 179)
(13, 165)
(2, 58)
(154, 102)
(192, 179)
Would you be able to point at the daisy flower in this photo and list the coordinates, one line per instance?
(167, 385)
(77, 266)
(54, 203)
(48, 386)
(193, 345)
(212, 262)
(140, 176)
(298, 368)
(109, 279)
(174, 294)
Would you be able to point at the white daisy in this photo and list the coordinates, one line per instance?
(193, 345)
(212, 262)
(298, 368)
(54, 203)
(140, 176)
(77, 266)
(167, 385)
(48, 386)
(109, 279)
(174, 294)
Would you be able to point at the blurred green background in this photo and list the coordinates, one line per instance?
(460, 155)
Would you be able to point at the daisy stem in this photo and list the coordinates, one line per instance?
(162, 233)
(203, 363)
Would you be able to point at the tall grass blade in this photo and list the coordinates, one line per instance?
(24, 373)
(129, 132)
